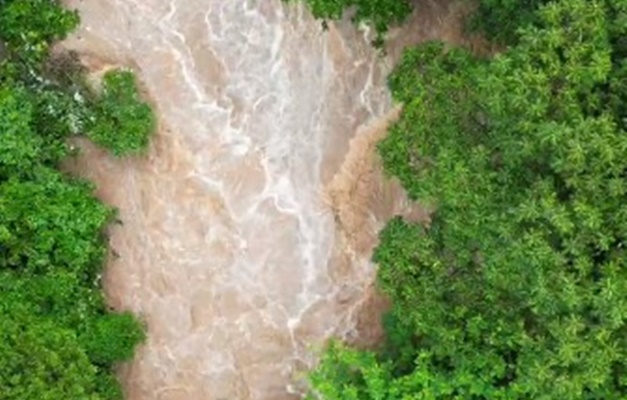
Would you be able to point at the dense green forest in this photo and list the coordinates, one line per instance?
(517, 289)
(57, 338)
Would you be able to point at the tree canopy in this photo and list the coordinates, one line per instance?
(517, 289)
(57, 337)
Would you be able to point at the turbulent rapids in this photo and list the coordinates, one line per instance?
(248, 227)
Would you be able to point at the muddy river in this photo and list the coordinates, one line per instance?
(249, 225)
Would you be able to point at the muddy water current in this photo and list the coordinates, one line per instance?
(249, 225)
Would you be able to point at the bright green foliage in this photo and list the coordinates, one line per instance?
(341, 366)
(122, 123)
(62, 296)
(45, 326)
(57, 338)
(40, 359)
(41, 230)
(20, 146)
(28, 27)
(518, 287)
(379, 14)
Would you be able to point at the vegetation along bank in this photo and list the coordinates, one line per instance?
(517, 289)
(57, 338)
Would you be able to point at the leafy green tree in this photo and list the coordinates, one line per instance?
(517, 289)
(122, 122)
(28, 27)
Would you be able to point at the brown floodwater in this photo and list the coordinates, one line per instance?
(249, 225)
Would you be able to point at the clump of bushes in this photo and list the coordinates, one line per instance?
(122, 122)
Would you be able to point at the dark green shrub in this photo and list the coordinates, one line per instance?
(378, 14)
(113, 338)
(499, 20)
